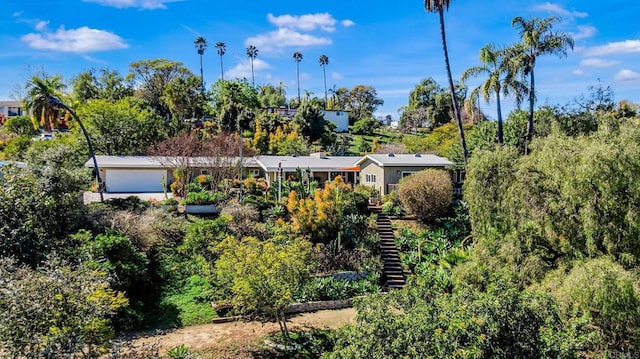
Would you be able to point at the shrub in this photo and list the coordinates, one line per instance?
(427, 194)
(204, 197)
(20, 125)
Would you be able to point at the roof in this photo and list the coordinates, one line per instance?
(314, 162)
(17, 164)
(154, 161)
(406, 160)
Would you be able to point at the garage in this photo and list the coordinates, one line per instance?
(135, 181)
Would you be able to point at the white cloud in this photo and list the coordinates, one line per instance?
(141, 4)
(41, 25)
(276, 41)
(626, 75)
(308, 22)
(17, 13)
(243, 69)
(80, 40)
(557, 9)
(347, 23)
(579, 72)
(598, 63)
(584, 32)
(336, 76)
(614, 48)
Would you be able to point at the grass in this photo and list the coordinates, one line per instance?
(192, 302)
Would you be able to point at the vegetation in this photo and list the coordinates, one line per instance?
(426, 194)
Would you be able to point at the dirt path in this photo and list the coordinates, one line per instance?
(215, 337)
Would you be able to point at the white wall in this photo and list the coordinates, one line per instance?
(339, 118)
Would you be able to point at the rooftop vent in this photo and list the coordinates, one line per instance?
(391, 155)
(418, 155)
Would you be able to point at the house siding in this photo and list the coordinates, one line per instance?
(370, 168)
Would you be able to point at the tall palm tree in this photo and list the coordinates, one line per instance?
(252, 52)
(440, 6)
(222, 49)
(201, 46)
(39, 89)
(495, 64)
(297, 57)
(324, 61)
(537, 39)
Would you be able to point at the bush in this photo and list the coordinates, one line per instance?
(329, 288)
(204, 197)
(20, 125)
(427, 194)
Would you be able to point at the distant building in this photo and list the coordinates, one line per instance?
(340, 118)
(10, 109)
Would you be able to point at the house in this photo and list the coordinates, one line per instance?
(340, 118)
(10, 109)
(138, 174)
(317, 166)
(384, 171)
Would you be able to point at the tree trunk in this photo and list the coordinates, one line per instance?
(201, 75)
(221, 69)
(298, 76)
(324, 75)
(530, 122)
(500, 134)
(454, 98)
(253, 79)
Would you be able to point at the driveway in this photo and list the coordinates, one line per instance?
(89, 197)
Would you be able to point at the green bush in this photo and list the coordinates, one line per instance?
(21, 126)
(204, 197)
(329, 288)
(426, 194)
(192, 301)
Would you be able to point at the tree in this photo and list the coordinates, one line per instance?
(252, 52)
(272, 96)
(201, 46)
(222, 49)
(311, 120)
(261, 277)
(122, 128)
(361, 102)
(41, 204)
(110, 85)
(153, 77)
(184, 98)
(324, 61)
(56, 311)
(496, 68)
(297, 57)
(439, 6)
(38, 91)
(230, 99)
(429, 105)
(537, 39)
(427, 194)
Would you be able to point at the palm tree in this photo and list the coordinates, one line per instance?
(495, 64)
(324, 61)
(39, 89)
(297, 57)
(537, 39)
(439, 6)
(222, 49)
(252, 52)
(201, 46)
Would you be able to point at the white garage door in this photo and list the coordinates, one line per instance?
(134, 181)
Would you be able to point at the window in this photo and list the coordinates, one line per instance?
(370, 178)
(338, 113)
(254, 173)
(205, 172)
(14, 111)
(407, 173)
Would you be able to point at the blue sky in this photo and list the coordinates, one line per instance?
(388, 45)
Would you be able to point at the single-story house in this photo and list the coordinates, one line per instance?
(317, 166)
(384, 171)
(137, 174)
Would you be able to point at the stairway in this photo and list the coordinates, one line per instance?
(391, 267)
